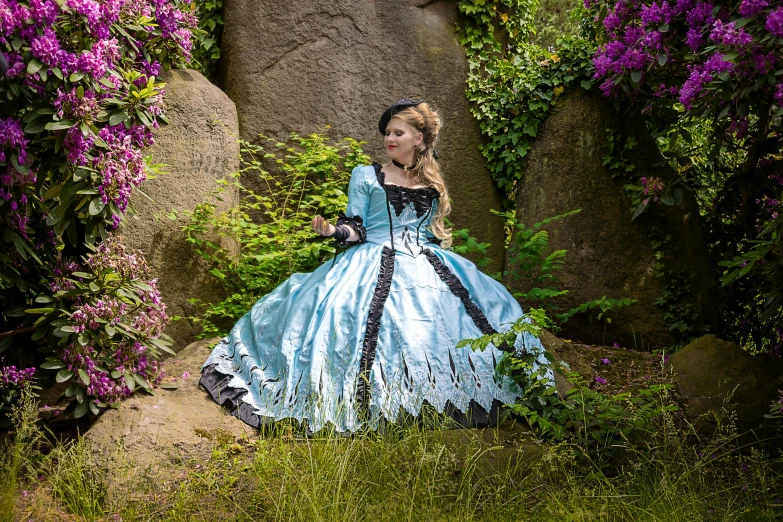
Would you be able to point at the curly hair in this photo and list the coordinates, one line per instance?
(427, 171)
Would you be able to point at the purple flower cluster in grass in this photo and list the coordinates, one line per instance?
(13, 376)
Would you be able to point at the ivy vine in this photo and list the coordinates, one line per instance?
(513, 83)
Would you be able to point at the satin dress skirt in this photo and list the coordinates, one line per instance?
(299, 352)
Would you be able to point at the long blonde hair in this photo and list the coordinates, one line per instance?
(427, 170)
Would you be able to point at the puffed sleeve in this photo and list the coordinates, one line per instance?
(358, 206)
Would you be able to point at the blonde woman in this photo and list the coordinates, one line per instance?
(371, 334)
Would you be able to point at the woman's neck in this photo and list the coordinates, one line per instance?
(408, 160)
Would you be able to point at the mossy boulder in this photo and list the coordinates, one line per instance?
(608, 253)
(711, 373)
(199, 146)
(172, 427)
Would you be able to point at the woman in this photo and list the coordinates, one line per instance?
(372, 333)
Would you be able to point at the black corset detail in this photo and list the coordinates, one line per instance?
(400, 196)
(356, 223)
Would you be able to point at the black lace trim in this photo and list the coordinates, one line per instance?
(373, 325)
(356, 223)
(216, 384)
(458, 289)
(400, 196)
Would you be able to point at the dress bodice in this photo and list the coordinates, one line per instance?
(392, 215)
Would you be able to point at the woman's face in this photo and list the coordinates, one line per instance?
(401, 139)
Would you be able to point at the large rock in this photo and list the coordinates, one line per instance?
(172, 426)
(709, 370)
(199, 146)
(341, 63)
(608, 253)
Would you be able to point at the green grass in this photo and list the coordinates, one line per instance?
(406, 473)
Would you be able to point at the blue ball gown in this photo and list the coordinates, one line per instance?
(371, 334)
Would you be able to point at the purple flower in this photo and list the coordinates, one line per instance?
(750, 8)
(46, 47)
(13, 376)
(728, 35)
(775, 22)
(655, 14)
(700, 15)
(612, 22)
(12, 137)
(44, 12)
(600, 380)
(605, 361)
(694, 39)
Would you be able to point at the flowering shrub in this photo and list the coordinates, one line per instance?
(104, 322)
(708, 74)
(80, 99)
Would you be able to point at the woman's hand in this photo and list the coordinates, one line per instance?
(322, 226)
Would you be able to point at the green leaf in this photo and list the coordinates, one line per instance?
(169, 386)
(141, 381)
(84, 377)
(60, 125)
(63, 375)
(81, 410)
(117, 117)
(52, 365)
(129, 381)
(38, 310)
(34, 66)
(96, 206)
(38, 124)
(71, 390)
(636, 76)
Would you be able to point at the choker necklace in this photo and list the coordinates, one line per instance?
(406, 168)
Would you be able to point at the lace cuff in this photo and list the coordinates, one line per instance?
(355, 223)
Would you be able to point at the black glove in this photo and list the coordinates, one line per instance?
(341, 233)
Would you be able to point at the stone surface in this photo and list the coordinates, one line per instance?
(709, 369)
(171, 426)
(341, 63)
(608, 253)
(199, 146)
